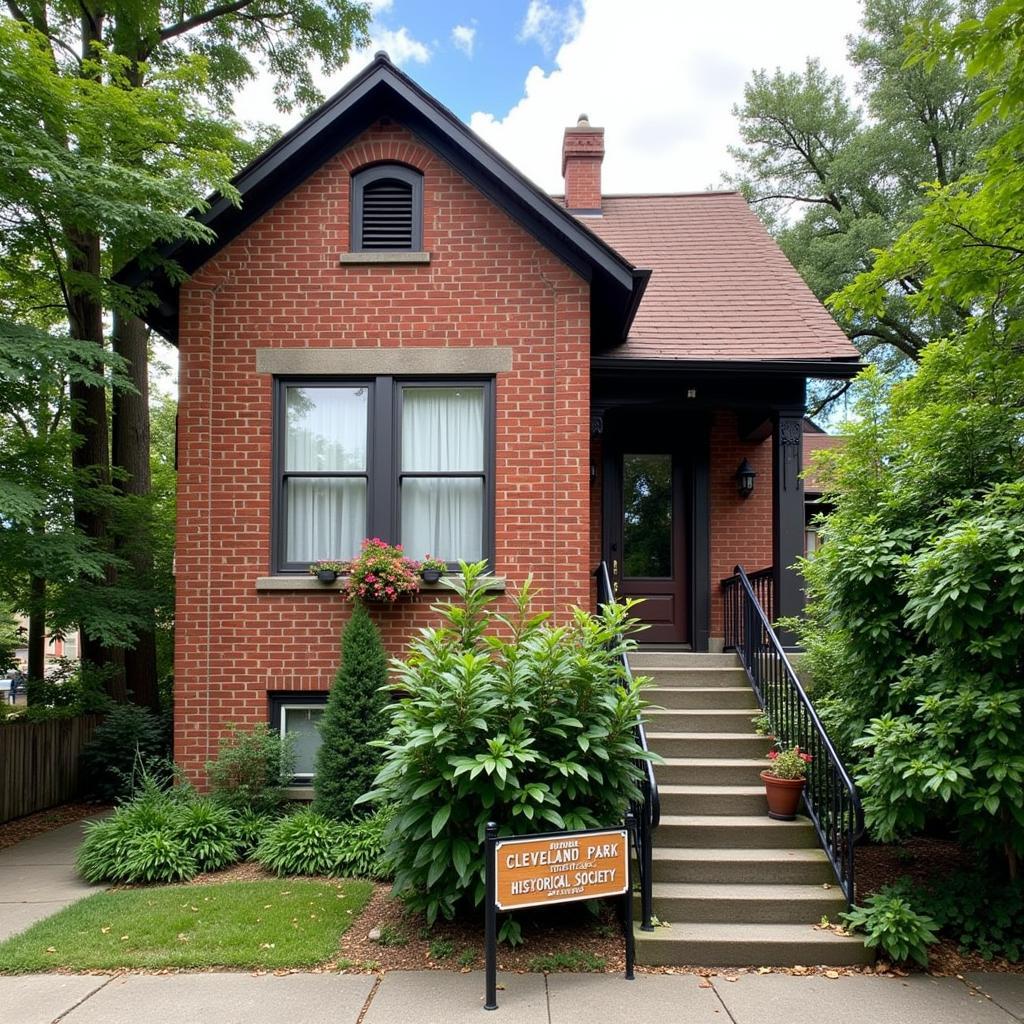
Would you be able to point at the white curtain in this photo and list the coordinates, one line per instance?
(326, 432)
(443, 432)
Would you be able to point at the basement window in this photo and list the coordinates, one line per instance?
(387, 209)
(298, 715)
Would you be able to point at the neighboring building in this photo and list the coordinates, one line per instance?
(815, 440)
(58, 647)
(397, 334)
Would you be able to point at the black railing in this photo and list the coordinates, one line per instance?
(830, 796)
(647, 810)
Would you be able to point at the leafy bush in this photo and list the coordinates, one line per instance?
(346, 763)
(129, 738)
(139, 841)
(303, 843)
(251, 769)
(210, 833)
(361, 847)
(914, 629)
(891, 923)
(249, 828)
(981, 915)
(69, 688)
(161, 835)
(531, 727)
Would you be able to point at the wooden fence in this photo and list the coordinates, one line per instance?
(39, 763)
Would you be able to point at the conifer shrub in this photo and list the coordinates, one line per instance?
(354, 717)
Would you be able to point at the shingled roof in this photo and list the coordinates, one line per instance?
(721, 288)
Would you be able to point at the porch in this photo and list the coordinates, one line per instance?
(693, 472)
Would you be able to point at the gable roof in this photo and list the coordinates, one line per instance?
(382, 90)
(721, 288)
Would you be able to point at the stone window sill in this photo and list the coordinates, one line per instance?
(378, 258)
(299, 582)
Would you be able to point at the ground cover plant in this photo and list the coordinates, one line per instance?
(269, 924)
(505, 718)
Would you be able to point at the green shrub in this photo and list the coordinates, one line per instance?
(129, 740)
(251, 770)
(532, 728)
(346, 763)
(139, 841)
(361, 847)
(210, 833)
(891, 923)
(303, 843)
(981, 915)
(249, 828)
(161, 835)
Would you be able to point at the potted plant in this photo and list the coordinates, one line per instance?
(432, 569)
(327, 571)
(784, 782)
(381, 572)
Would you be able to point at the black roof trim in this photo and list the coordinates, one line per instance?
(382, 90)
(824, 369)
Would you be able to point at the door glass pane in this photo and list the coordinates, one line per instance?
(326, 430)
(304, 725)
(326, 517)
(443, 430)
(647, 515)
(443, 517)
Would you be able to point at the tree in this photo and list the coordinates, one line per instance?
(346, 764)
(835, 182)
(196, 55)
(915, 624)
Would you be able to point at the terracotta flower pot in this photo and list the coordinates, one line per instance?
(783, 796)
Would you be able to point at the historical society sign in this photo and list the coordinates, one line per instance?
(561, 867)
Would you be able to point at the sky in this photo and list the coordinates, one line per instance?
(659, 76)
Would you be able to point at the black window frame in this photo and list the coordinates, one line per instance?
(278, 701)
(386, 172)
(383, 458)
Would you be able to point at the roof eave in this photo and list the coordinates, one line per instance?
(824, 369)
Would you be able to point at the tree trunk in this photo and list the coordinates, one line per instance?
(36, 629)
(130, 460)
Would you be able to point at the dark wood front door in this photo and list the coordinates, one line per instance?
(648, 541)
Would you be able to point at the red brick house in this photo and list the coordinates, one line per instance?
(396, 334)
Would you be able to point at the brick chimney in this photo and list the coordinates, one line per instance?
(582, 153)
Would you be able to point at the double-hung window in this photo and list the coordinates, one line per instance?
(410, 461)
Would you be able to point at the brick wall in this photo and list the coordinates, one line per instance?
(741, 528)
(279, 285)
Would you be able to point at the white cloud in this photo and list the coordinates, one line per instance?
(464, 38)
(401, 46)
(377, 6)
(549, 25)
(661, 78)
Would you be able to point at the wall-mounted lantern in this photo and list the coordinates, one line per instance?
(745, 477)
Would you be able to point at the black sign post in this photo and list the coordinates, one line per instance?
(491, 903)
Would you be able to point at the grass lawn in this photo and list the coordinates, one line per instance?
(287, 923)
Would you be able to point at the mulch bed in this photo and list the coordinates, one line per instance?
(31, 825)
(927, 862)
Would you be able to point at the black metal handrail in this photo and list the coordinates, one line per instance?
(647, 810)
(830, 796)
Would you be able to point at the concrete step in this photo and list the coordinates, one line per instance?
(734, 831)
(741, 866)
(710, 771)
(701, 720)
(745, 944)
(708, 698)
(750, 904)
(647, 659)
(705, 744)
(749, 799)
(690, 677)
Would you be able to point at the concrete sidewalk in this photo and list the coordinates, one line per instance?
(431, 997)
(38, 878)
